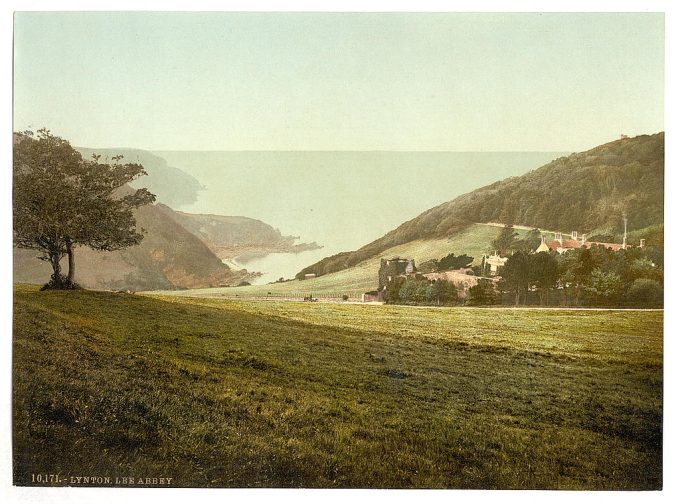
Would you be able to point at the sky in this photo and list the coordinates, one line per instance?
(340, 81)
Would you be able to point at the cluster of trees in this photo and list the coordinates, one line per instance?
(508, 241)
(585, 277)
(484, 293)
(448, 263)
(421, 291)
(597, 276)
(62, 200)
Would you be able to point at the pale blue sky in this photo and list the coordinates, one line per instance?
(324, 81)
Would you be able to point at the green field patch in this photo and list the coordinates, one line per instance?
(266, 394)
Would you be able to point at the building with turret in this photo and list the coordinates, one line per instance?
(393, 268)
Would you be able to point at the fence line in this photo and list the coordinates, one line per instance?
(296, 295)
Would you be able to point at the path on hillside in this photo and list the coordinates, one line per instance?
(516, 226)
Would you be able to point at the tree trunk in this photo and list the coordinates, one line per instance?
(71, 262)
(56, 268)
(517, 296)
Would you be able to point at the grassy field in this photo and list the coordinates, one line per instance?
(363, 277)
(267, 394)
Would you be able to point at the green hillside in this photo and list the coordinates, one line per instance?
(588, 192)
(217, 393)
(363, 277)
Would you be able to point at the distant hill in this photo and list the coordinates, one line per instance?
(229, 237)
(169, 257)
(588, 192)
(171, 185)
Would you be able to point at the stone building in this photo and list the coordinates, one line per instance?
(395, 267)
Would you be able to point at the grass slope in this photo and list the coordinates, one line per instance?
(363, 277)
(252, 394)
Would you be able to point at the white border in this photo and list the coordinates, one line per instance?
(671, 348)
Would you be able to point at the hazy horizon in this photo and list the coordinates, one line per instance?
(315, 81)
(340, 199)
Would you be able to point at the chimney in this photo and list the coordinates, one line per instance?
(574, 235)
(625, 231)
(583, 239)
(642, 243)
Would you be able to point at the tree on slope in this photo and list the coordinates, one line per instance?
(516, 275)
(454, 262)
(505, 241)
(62, 200)
(543, 273)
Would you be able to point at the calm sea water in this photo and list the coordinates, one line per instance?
(280, 264)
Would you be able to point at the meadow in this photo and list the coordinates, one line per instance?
(237, 393)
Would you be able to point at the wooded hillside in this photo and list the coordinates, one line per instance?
(587, 191)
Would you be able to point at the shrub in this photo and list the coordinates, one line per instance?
(645, 292)
(61, 282)
(484, 293)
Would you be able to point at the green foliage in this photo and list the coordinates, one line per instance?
(483, 294)
(643, 267)
(524, 271)
(530, 242)
(429, 266)
(653, 235)
(516, 274)
(574, 268)
(595, 276)
(605, 288)
(392, 294)
(407, 293)
(505, 240)
(645, 292)
(454, 262)
(444, 293)
(423, 292)
(61, 201)
(543, 273)
(61, 283)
